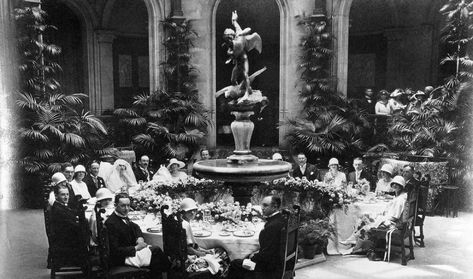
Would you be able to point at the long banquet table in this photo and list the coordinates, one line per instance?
(344, 222)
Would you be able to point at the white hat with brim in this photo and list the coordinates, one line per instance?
(79, 168)
(396, 93)
(419, 93)
(57, 178)
(176, 161)
(103, 194)
(398, 180)
(188, 204)
(333, 161)
(387, 168)
(277, 156)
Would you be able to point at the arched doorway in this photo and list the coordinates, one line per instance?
(262, 17)
(129, 22)
(68, 36)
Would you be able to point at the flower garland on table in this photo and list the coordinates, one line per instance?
(150, 201)
(205, 187)
(313, 191)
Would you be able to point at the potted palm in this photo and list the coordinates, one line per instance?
(314, 236)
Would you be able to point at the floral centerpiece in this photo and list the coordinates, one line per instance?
(150, 201)
(192, 185)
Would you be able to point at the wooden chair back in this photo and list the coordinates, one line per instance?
(174, 237)
(289, 236)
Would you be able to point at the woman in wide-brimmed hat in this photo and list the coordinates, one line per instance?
(174, 167)
(395, 101)
(384, 183)
(383, 107)
(334, 177)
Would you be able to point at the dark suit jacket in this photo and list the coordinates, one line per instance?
(65, 226)
(364, 174)
(311, 172)
(268, 256)
(367, 107)
(141, 175)
(122, 239)
(91, 186)
(412, 186)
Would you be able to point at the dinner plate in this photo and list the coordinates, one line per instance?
(202, 233)
(154, 230)
(224, 233)
(244, 233)
(230, 229)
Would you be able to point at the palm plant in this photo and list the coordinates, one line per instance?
(170, 122)
(329, 124)
(457, 34)
(53, 127)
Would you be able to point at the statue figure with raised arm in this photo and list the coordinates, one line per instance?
(238, 43)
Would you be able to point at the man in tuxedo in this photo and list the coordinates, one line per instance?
(305, 169)
(264, 124)
(126, 239)
(93, 181)
(267, 259)
(142, 172)
(65, 221)
(68, 170)
(367, 103)
(412, 184)
(360, 173)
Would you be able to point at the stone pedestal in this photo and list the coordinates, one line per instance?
(242, 129)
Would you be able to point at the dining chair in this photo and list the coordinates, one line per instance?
(175, 246)
(67, 259)
(420, 215)
(396, 238)
(113, 272)
(289, 247)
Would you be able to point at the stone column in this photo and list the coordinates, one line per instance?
(10, 192)
(105, 98)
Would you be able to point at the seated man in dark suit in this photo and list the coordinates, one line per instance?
(126, 240)
(65, 221)
(142, 171)
(360, 173)
(93, 181)
(412, 184)
(305, 169)
(267, 260)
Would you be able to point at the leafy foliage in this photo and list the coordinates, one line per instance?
(329, 124)
(170, 122)
(53, 126)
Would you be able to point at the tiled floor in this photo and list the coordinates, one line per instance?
(448, 252)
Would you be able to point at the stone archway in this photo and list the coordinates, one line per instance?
(283, 87)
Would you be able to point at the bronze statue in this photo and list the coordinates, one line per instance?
(238, 43)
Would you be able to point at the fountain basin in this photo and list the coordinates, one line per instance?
(257, 171)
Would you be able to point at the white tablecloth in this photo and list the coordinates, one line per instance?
(344, 223)
(236, 247)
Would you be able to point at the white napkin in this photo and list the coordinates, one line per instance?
(248, 264)
(141, 258)
(213, 262)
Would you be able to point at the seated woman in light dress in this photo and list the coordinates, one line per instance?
(174, 167)
(194, 251)
(334, 177)
(384, 183)
(104, 199)
(78, 186)
(120, 177)
(390, 217)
